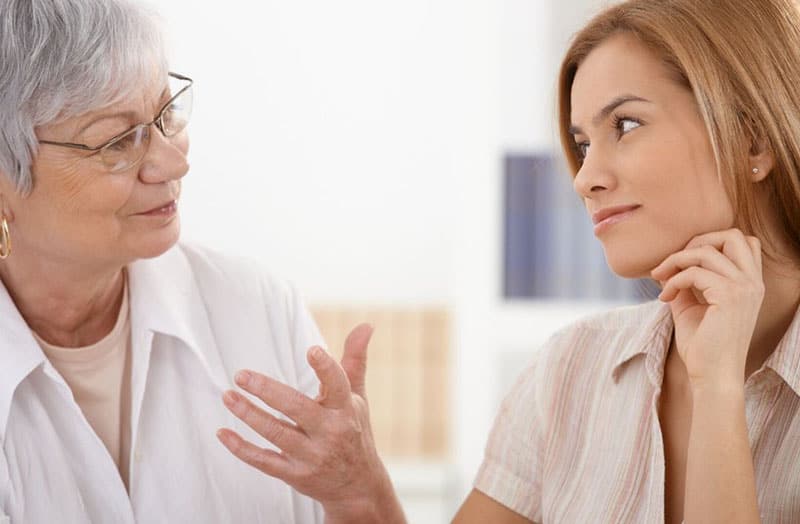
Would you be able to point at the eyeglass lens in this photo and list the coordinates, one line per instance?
(131, 147)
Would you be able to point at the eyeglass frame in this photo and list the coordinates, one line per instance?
(157, 121)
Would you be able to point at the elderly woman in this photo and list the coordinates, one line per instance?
(116, 342)
(680, 120)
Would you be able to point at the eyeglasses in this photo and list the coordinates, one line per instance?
(127, 149)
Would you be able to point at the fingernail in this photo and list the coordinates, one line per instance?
(225, 437)
(230, 398)
(315, 354)
(242, 378)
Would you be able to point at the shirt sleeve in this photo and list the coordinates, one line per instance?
(305, 333)
(511, 472)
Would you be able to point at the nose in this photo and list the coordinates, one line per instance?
(165, 159)
(592, 178)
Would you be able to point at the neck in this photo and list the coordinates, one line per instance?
(781, 298)
(66, 302)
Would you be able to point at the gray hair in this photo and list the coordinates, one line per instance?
(63, 58)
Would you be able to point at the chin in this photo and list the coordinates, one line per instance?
(631, 264)
(156, 242)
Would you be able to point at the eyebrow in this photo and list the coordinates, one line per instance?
(122, 115)
(607, 110)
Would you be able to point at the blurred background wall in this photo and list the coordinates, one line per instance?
(357, 149)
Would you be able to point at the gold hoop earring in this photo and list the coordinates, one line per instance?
(5, 239)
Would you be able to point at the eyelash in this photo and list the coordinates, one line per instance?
(616, 122)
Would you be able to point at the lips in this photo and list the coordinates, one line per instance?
(159, 208)
(607, 212)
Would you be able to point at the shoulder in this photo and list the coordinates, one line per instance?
(613, 326)
(589, 349)
(222, 274)
(605, 332)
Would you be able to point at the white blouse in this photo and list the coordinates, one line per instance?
(196, 318)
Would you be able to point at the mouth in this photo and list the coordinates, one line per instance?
(166, 208)
(609, 216)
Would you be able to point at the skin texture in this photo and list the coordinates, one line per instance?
(74, 233)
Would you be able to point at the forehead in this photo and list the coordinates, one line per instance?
(137, 103)
(140, 95)
(619, 65)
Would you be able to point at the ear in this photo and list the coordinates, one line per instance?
(762, 161)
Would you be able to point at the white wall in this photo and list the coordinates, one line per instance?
(355, 147)
(332, 139)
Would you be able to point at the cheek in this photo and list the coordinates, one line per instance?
(75, 197)
(680, 197)
(694, 200)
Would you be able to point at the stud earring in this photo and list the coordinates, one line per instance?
(755, 170)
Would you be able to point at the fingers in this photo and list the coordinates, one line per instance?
(695, 277)
(298, 407)
(284, 435)
(734, 245)
(265, 460)
(354, 359)
(334, 386)
(706, 256)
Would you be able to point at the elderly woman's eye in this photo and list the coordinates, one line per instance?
(123, 144)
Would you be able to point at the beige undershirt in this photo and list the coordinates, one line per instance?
(99, 377)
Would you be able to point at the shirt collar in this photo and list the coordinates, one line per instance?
(166, 299)
(19, 354)
(650, 331)
(785, 360)
(654, 337)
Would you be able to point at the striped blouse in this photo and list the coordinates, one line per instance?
(578, 437)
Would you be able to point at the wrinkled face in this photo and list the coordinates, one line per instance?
(80, 212)
(643, 144)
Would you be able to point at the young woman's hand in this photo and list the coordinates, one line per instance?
(328, 453)
(715, 288)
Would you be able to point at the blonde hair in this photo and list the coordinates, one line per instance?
(741, 59)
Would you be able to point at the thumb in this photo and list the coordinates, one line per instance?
(354, 359)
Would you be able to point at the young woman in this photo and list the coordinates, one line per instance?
(680, 120)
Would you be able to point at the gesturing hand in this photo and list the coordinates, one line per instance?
(328, 453)
(715, 288)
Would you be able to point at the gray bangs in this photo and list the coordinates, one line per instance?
(62, 58)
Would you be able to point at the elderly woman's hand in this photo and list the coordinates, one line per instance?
(328, 453)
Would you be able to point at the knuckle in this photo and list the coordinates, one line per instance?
(244, 408)
(693, 271)
(274, 430)
(295, 401)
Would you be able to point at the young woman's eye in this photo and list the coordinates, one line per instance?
(583, 149)
(626, 124)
